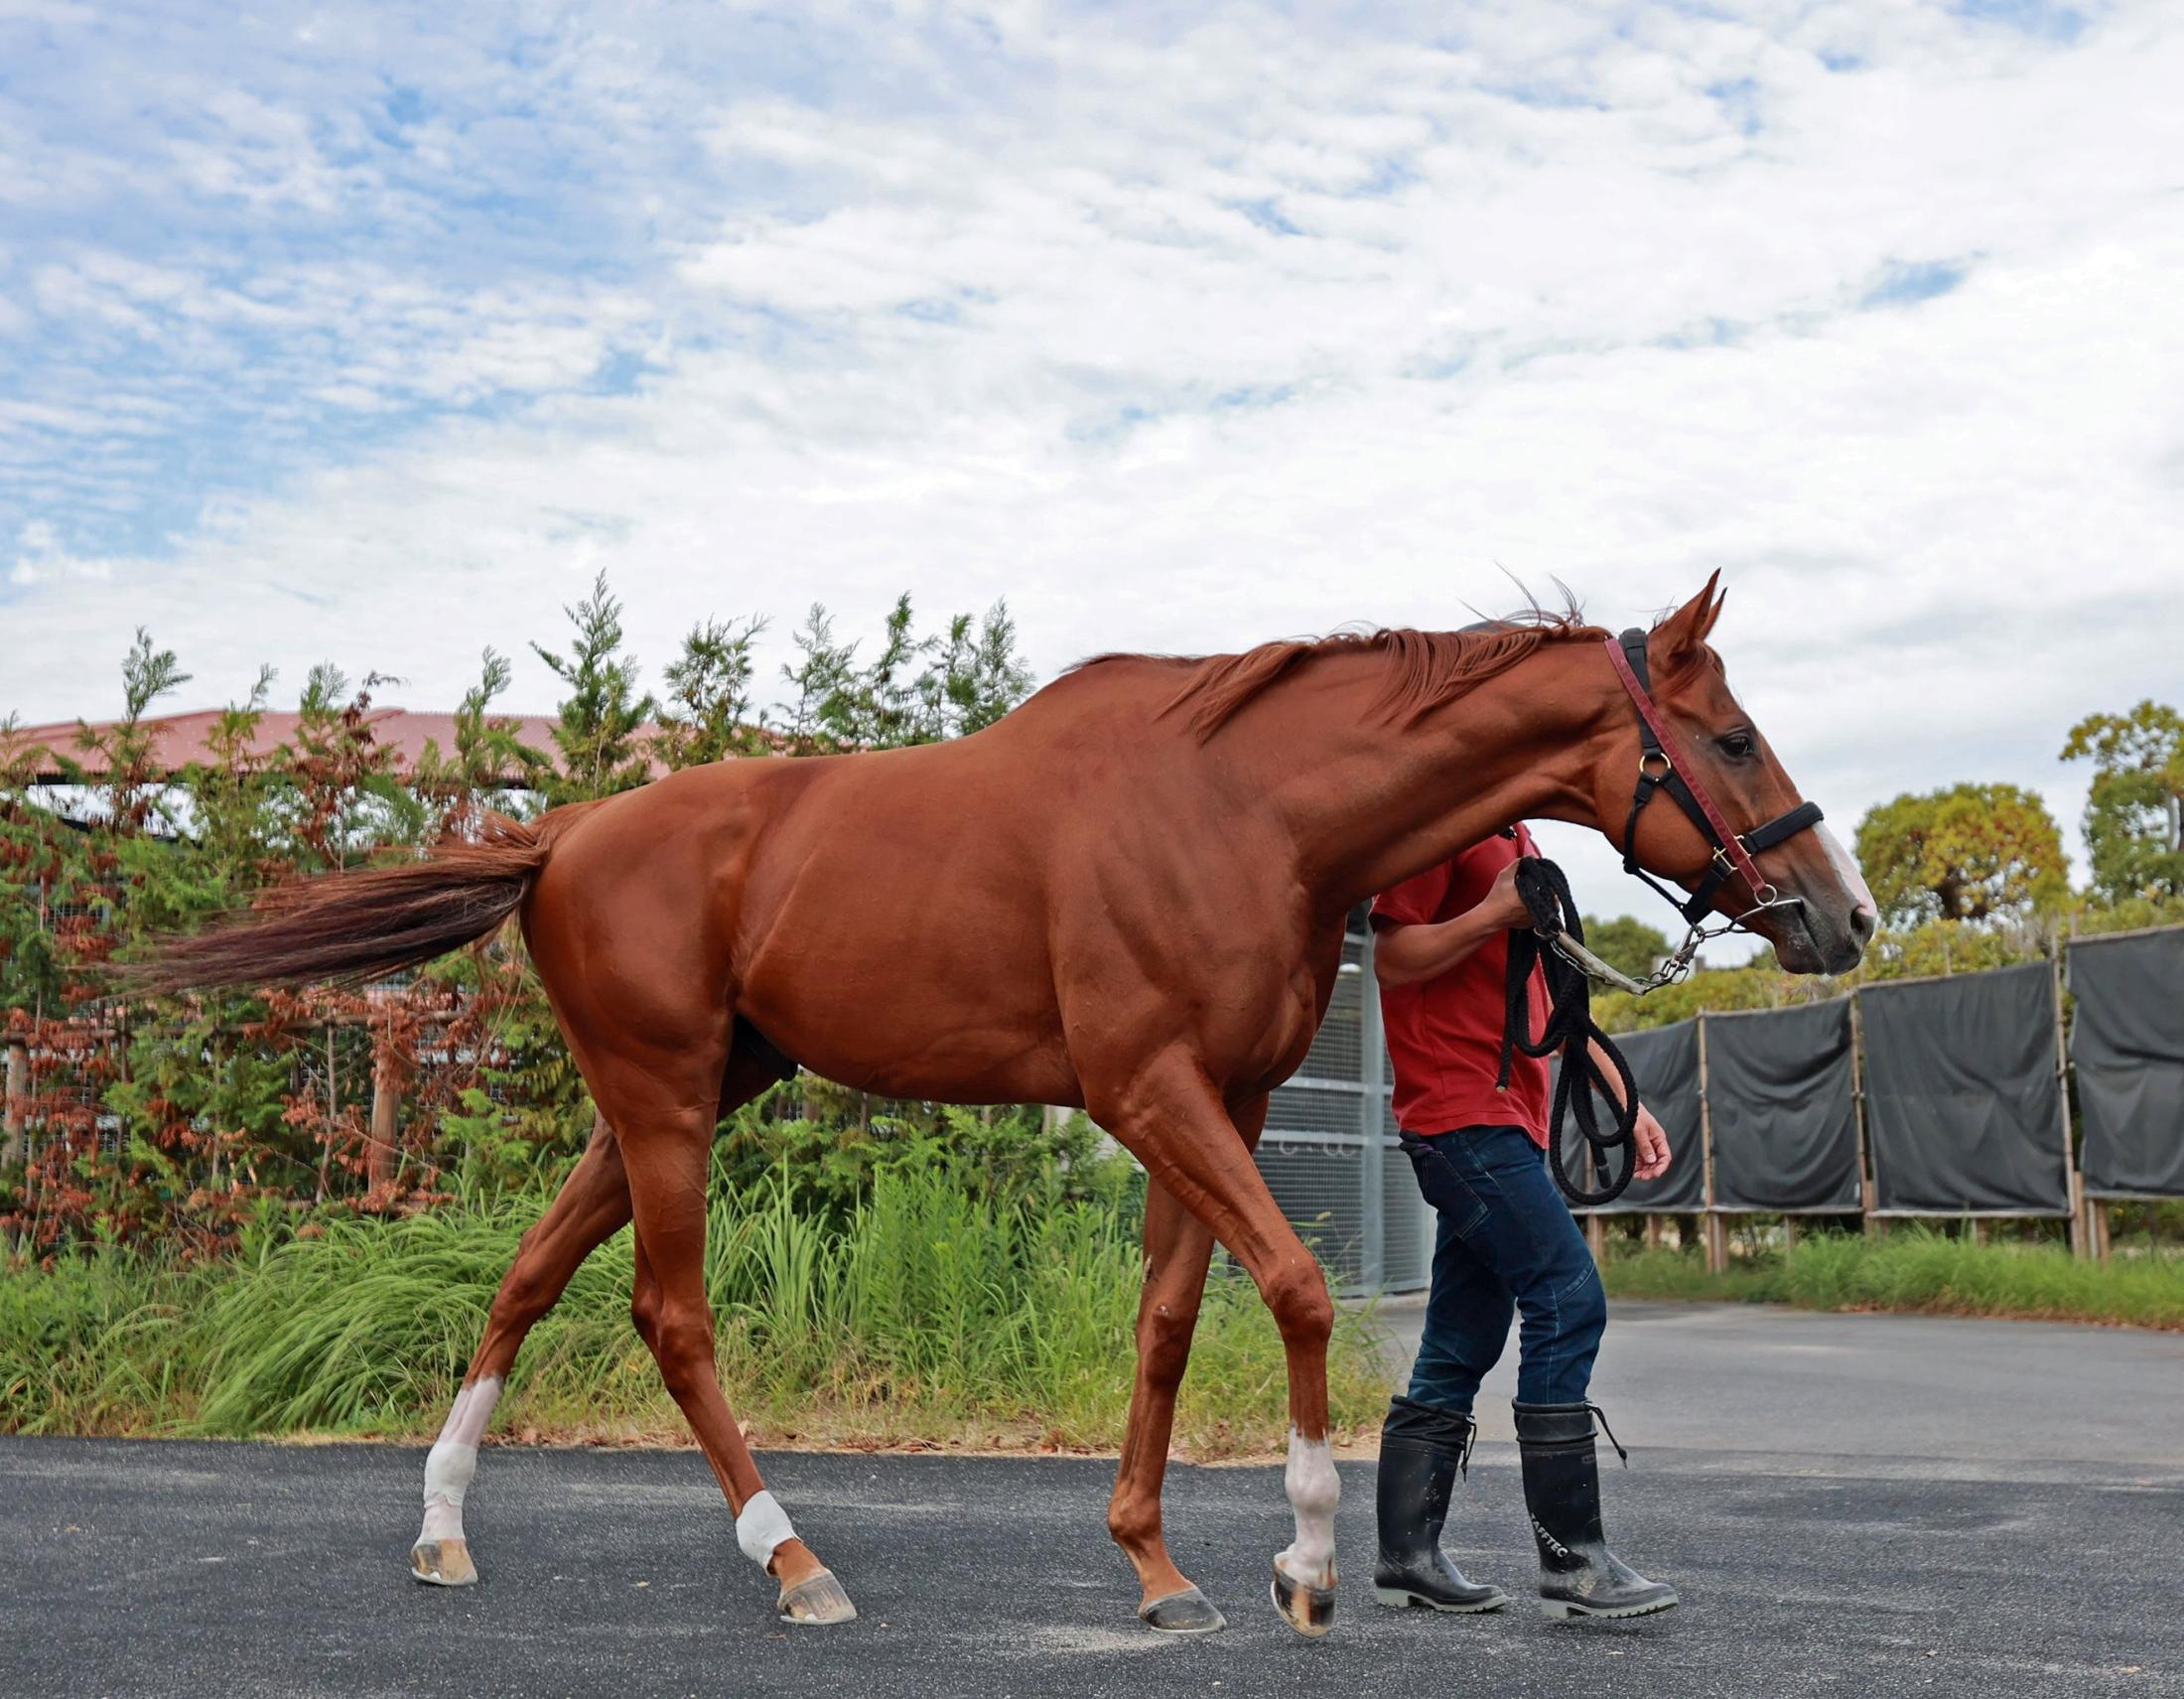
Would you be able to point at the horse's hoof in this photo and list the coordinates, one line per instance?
(1189, 1612)
(816, 1600)
(1307, 1609)
(443, 1563)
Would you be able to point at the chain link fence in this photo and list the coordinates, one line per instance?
(1330, 1153)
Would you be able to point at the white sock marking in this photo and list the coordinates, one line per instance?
(1314, 1488)
(453, 1460)
(762, 1526)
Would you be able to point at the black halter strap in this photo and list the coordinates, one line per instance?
(1553, 947)
(1658, 771)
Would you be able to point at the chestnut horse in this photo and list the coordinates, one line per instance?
(1127, 895)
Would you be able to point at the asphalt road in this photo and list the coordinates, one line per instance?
(1900, 1390)
(2033, 1547)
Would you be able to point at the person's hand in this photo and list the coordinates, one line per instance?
(1501, 904)
(1652, 1147)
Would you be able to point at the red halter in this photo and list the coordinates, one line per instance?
(1732, 852)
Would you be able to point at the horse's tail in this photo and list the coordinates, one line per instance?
(351, 927)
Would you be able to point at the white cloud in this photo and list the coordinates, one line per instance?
(1177, 339)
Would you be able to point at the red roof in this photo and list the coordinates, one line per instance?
(180, 739)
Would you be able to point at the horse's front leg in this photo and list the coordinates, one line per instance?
(1169, 1114)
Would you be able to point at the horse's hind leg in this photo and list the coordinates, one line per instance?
(667, 1145)
(593, 1205)
(1178, 1248)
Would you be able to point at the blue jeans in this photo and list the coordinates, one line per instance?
(1506, 1243)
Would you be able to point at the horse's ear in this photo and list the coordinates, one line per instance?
(1678, 639)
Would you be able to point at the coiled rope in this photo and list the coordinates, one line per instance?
(1570, 1029)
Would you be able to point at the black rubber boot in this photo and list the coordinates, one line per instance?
(1420, 1449)
(1579, 1575)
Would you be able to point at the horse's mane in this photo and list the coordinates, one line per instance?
(1424, 669)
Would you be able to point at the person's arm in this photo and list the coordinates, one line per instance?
(1653, 1151)
(1408, 954)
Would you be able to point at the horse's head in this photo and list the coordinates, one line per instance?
(1818, 914)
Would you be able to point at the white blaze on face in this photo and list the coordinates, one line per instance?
(1847, 870)
(453, 1459)
(1314, 1488)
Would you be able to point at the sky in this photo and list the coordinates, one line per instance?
(371, 333)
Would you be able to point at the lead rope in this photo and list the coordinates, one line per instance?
(1569, 1028)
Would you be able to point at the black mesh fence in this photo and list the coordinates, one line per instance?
(1963, 1104)
(2126, 1043)
(1962, 1099)
(1782, 1093)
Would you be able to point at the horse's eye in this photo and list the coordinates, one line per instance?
(1736, 744)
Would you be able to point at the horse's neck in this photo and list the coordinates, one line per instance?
(1370, 802)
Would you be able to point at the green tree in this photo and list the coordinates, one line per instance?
(977, 675)
(600, 719)
(1626, 944)
(825, 670)
(880, 706)
(133, 789)
(969, 679)
(709, 712)
(2135, 810)
(1970, 852)
(490, 762)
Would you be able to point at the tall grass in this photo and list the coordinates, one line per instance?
(1924, 1270)
(932, 1313)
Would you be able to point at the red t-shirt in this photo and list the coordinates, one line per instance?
(1444, 1035)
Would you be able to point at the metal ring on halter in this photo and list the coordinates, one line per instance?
(1667, 765)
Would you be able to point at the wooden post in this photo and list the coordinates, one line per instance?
(1977, 1223)
(333, 1108)
(1653, 1232)
(1596, 1238)
(2073, 1182)
(1789, 1237)
(1718, 1240)
(14, 1145)
(386, 1126)
(1874, 1224)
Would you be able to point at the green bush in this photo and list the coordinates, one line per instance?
(1918, 1268)
(933, 1312)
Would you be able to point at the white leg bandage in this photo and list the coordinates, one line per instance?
(762, 1526)
(453, 1459)
(1314, 1490)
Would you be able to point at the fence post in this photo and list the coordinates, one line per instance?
(1371, 1074)
(17, 1112)
(2073, 1182)
(385, 1133)
(1789, 1237)
(1868, 1220)
(1717, 1241)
